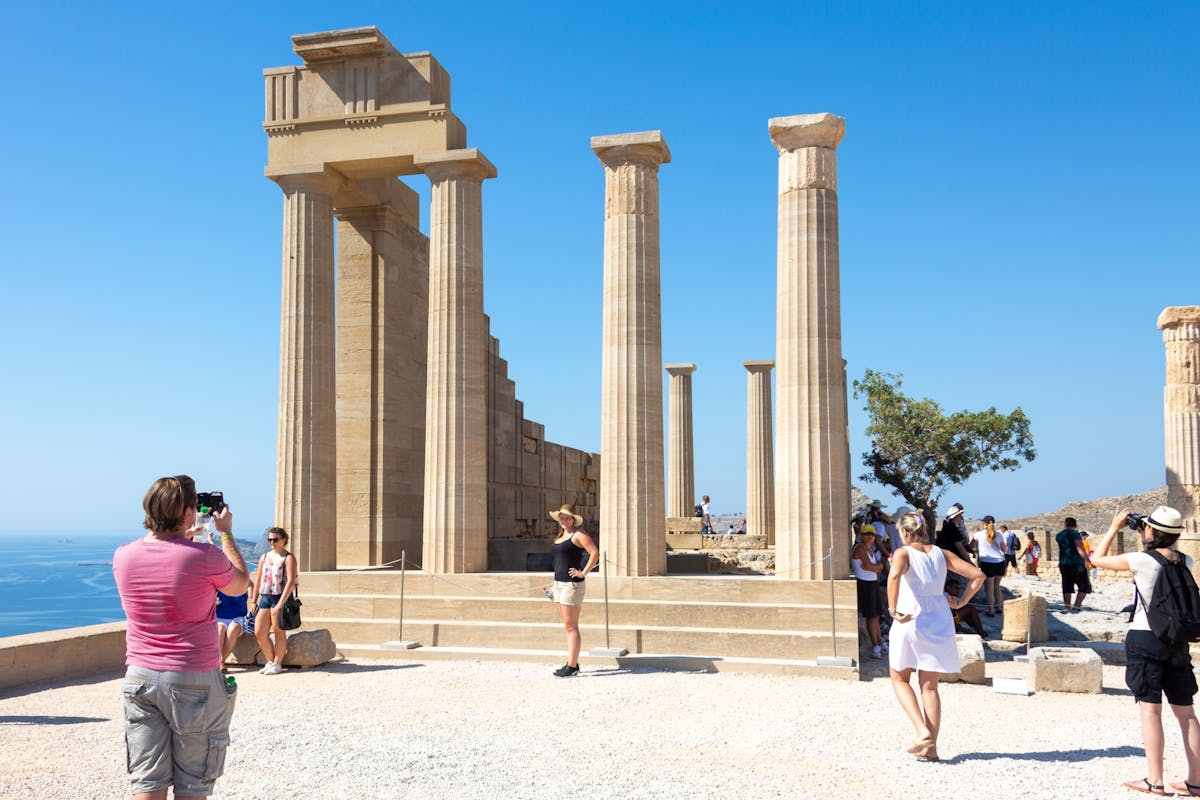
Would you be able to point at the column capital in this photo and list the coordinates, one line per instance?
(806, 130)
(1178, 316)
(307, 177)
(465, 163)
(647, 147)
(762, 365)
(679, 369)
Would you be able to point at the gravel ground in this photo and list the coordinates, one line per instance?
(487, 730)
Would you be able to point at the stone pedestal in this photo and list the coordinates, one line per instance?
(971, 659)
(812, 478)
(1064, 669)
(1181, 420)
(760, 451)
(632, 507)
(681, 476)
(305, 463)
(1017, 617)
(455, 513)
(382, 289)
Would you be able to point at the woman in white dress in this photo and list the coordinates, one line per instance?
(922, 635)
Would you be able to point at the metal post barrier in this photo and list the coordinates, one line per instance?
(608, 649)
(400, 643)
(835, 660)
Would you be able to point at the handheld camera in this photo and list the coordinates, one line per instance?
(1136, 521)
(210, 502)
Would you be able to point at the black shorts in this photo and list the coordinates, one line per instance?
(993, 569)
(868, 598)
(1011, 558)
(1075, 576)
(1153, 669)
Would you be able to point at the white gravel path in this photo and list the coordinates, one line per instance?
(464, 730)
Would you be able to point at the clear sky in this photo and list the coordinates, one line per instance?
(1018, 202)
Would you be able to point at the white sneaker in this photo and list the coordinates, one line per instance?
(272, 669)
(876, 652)
(266, 667)
(884, 646)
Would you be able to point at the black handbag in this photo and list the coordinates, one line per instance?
(289, 612)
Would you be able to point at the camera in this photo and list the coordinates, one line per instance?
(1136, 521)
(210, 502)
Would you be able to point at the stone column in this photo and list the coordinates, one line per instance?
(456, 509)
(632, 520)
(382, 291)
(760, 452)
(681, 480)
(305, 461)
(1181, 420)
(812, 490)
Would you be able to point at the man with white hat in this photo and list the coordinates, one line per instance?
(952, 535)
(1154, 665)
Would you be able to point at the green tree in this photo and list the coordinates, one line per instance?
(919, 451)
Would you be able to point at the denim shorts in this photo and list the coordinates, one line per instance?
(268, 601)
(176, 729)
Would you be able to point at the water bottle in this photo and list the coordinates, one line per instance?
(204, 535)
(230, 685)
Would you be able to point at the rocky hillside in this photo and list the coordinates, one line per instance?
(1094, 515)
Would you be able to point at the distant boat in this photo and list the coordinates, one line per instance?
(95, 563)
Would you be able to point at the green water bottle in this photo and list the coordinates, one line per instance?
(230, 684)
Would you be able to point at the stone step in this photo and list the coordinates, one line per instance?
(668, 613)
(604, 664)
(709, 588)
(635, 639)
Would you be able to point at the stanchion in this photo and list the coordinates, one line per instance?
(399, 642)
(608, 650)
(834, 660)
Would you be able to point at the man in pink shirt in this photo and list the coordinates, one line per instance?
(177, 706)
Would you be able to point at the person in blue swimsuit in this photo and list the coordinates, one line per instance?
(575, 555)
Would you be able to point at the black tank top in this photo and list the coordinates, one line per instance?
(567, 554)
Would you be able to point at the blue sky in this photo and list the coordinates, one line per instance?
(1018, 202)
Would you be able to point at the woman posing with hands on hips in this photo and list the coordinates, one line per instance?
(575, 555)
(922, 634)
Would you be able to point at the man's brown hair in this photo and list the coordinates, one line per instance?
(166, 503)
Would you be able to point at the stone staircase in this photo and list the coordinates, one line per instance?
(714, 623)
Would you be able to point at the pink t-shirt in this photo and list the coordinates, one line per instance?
(168, 590)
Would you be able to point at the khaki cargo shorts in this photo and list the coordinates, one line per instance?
(568, 593)
(176, 729)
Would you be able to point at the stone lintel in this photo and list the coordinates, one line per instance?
(806, 130)
(679, 369)
(759, 365)
(467, 162)
(642, 144)
(1173, 316)
(321, 177)
(340, 44)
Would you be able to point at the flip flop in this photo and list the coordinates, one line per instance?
(929, 759)
(921, 744)
(1189, 789)
(1144, 785)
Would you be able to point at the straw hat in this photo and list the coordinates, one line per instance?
(954, 511)
(567, 508)
(1166, 519)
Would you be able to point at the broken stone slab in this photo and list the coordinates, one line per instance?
(1109, 652)
(305, 649)
(1065, 669)
(1018, 615)
(970, 656)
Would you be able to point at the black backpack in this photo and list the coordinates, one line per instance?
(1174, 608)
(699, 511)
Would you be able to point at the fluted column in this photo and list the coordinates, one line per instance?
(681, 476)
(812, 489)
(305, 460)
(1181, 419)
(632, 521)
(456, 509)
(760, 451)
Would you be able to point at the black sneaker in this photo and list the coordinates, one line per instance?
(566, 671)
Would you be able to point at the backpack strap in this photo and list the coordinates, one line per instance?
(1137, 595)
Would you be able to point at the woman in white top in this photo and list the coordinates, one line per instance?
(922, 634)
(867, 562)
(990, 546)
(273, 583)
(1153, 667)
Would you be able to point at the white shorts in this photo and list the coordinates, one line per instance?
(568, 593)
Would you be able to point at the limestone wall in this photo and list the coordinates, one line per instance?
(528, 476)
(54, 655)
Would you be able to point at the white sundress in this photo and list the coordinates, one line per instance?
(927, 641)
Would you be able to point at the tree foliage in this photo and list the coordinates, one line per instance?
(919, 451)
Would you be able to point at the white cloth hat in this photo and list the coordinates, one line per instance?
(1166, 519)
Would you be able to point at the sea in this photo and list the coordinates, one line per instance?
(50, 581)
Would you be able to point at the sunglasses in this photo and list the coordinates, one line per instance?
(274, 539)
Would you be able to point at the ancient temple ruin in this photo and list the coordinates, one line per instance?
(401, 348)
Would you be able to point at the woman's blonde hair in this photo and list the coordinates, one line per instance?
(913, 523)
(991, 532)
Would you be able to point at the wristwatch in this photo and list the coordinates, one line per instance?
(891, 612)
